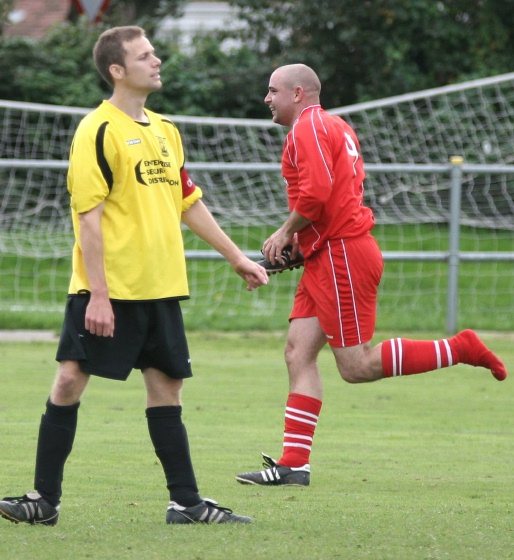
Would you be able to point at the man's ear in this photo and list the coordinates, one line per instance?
(298, 94)
(117, 71)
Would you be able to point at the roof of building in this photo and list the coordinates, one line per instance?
(32, 18)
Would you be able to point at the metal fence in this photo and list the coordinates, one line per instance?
(453, 257)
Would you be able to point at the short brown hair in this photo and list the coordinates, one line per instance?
(109, 49)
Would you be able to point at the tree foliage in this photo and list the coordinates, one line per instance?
(361, 49)
(59, 69)
(369, 49)
(211, 81)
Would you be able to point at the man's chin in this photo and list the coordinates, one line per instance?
(156, 85)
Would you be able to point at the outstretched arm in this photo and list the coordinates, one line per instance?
(201, 222)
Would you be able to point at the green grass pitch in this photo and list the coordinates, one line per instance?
(417, 468)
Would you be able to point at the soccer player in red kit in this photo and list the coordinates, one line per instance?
(335, 302)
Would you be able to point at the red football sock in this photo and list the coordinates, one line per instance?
(301, 417)
(401, 356)
(474, 352)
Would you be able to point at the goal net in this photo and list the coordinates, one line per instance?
(236, 162)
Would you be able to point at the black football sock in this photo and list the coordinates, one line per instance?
(169, 437)
(55, 442)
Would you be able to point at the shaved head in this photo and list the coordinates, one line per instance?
(299, 75)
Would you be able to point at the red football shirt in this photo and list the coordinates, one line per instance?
(324, 173)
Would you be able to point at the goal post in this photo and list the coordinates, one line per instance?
(407, 143)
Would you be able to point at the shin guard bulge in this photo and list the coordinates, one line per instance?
(301, 418)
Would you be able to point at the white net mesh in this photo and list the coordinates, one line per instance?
(472, 120)
(236, 163)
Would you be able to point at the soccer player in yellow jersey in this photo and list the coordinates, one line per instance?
(129, 194)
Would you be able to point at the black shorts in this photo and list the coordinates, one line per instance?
(146, 334)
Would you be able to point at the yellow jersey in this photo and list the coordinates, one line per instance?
(137, 171)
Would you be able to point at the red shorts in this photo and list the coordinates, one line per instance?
(339, 286)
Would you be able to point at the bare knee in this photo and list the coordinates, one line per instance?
(290, 354)
(359, 364)
(352, 374)
(297, 355)
(69, 384)
(162, 390)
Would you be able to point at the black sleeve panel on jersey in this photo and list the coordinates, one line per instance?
(100, 155)
(170, 122)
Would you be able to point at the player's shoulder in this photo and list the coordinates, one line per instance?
(88, 119)
(337, 122)
(94, 119)
(313, 121)
(165, 120)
